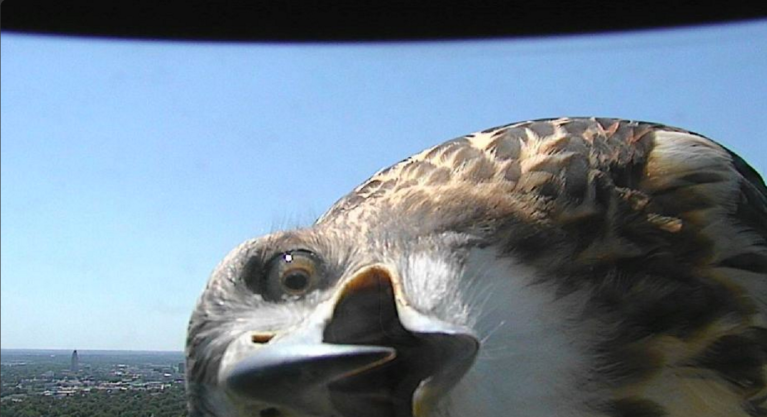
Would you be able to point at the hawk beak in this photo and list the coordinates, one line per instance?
(364, 353)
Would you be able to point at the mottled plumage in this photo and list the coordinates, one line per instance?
(601, 267)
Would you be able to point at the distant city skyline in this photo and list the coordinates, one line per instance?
(35, 382)
(129, 169)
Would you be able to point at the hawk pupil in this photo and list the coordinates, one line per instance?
(296, 281)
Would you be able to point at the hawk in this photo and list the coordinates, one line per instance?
(565, 267)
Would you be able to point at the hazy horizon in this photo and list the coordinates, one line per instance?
(130, 168)
(90, 351)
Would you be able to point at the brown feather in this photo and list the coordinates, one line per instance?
(666, 228)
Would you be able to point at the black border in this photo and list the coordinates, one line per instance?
(361, 20)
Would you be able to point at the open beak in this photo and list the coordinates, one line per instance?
(368, 353)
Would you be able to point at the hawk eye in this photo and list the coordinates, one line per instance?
(292, 274)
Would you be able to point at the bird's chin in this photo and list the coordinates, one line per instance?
(398, 367)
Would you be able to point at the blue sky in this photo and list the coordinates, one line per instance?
(129, 169)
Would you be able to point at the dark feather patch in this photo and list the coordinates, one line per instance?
(504, 148)
(635, 407)
(753, 262)
(738, 358)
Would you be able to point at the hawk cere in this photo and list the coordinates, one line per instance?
(569, 267)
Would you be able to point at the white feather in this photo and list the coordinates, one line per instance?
(532, 360)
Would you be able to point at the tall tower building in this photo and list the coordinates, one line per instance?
(75, 362)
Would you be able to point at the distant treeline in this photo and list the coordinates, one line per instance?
(167, 403)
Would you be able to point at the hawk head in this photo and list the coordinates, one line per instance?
(568, 267)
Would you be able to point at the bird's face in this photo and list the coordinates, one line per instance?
(313, 323)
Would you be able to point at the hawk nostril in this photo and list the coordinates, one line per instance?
(261, 338)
